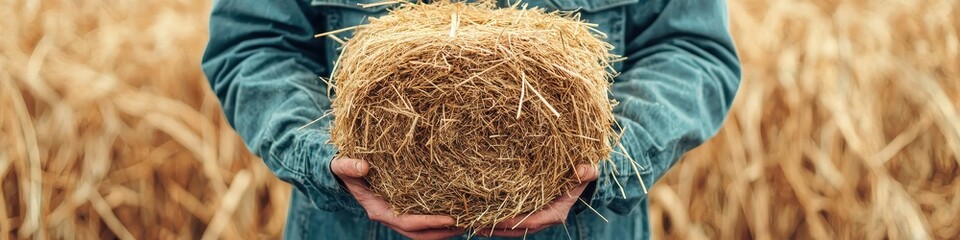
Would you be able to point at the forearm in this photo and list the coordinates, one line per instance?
(263, 65)
(674, 93)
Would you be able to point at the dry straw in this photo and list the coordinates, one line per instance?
(845, 127)
(471, 111)
(108, 129)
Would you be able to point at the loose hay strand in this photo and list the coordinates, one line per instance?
(613, 175)
(330, 33)
(633, 164)
(585, 203)
(384, 3)
(542, 99)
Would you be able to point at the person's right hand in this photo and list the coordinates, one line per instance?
(351, 172)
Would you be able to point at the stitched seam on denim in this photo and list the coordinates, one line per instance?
(300, 176)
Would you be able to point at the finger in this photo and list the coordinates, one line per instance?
(554, 213)
(509, 223)
(393, 226)
(587, 172)
(420, 222)
(376, 208)
(379, 210)
(543, 217)
(429, 234)
(572, 196)
(358, 188)
(516, 222)
(539, 219)
(349, 167)
(566, 201)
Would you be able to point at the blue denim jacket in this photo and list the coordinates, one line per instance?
(674, 91)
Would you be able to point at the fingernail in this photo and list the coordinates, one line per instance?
(582, 171)
(356, 166)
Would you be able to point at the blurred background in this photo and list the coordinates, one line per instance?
(846, 126)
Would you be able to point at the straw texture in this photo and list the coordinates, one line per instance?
(473, 112)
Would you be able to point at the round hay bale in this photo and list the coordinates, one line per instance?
(473, 112)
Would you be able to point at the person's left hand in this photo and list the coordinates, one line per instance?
(554, 213)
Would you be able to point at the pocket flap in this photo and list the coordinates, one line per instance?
(352, 4)
(592, 5)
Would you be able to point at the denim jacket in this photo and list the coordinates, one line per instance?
(675, 89)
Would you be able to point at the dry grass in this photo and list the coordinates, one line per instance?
(473, 112)
(108, 128)
(846, 126)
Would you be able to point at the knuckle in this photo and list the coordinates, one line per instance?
(374, 217)
(337, 168)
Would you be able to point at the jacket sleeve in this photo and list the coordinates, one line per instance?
(264, 64)
(675, 90)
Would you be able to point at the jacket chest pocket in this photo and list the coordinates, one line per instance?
(609, 15)
(338, 14)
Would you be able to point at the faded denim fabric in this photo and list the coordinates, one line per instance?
(674, 90)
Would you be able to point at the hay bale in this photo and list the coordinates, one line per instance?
(473, 112)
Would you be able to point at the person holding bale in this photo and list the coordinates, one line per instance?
(678, 81)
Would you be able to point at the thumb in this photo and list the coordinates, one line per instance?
(587, 172)
(350, 167)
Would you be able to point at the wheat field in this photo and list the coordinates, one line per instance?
(846, 126)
